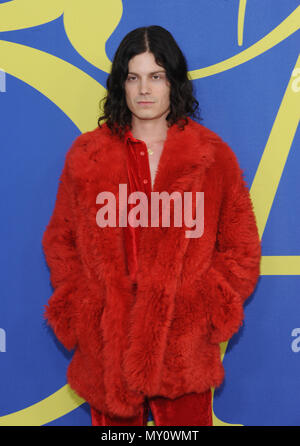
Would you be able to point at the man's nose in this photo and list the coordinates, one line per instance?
(145, 86)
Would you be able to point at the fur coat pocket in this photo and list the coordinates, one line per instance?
(89, 309)
(224, 307)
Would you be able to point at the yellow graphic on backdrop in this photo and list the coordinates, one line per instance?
(88, 24)
(18, 14)
(241, 21)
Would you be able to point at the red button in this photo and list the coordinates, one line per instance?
(145, 181)
(142, 152)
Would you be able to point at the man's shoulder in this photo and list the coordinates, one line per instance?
(84, 145)
(204, 132)
(222, 150)
(82, 149)
(208, 135)
(92, 136)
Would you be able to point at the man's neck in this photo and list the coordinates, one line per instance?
(150, 131)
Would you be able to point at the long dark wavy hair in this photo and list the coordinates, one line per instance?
(167, 54)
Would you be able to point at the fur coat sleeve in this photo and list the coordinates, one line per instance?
(66, 273)
(235, 268)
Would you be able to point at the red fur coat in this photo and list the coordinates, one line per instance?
(162, 339)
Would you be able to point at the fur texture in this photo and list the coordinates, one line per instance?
(161, 339)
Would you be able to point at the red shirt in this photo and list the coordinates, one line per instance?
(139, 177)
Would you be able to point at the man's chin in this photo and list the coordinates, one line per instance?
(148, 116)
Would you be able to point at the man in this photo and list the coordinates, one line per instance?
(145, 307)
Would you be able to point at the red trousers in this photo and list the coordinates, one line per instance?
(193, 409)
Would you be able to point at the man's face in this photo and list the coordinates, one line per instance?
(147, 88)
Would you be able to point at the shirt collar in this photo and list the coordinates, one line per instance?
(128, 136)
